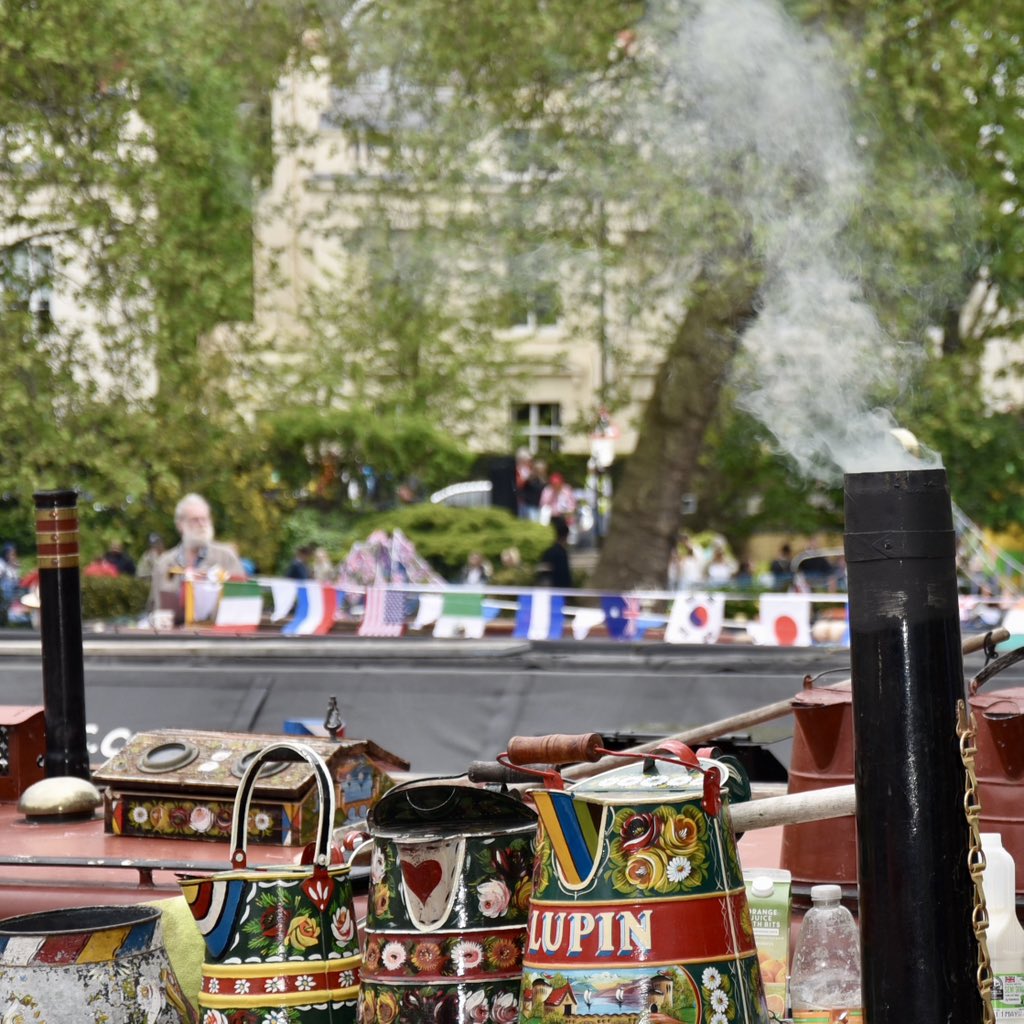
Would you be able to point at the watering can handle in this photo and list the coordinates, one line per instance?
(557, 748)
(325, 785)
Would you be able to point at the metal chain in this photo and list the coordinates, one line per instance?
(966, 730)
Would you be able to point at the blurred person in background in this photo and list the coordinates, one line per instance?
(196, 554)
(149, 557)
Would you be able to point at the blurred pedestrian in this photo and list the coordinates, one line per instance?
(554, 569)
(149, 557)
(323, 567)
(299, 568)
(476, 570)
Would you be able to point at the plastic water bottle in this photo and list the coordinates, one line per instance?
(825, 979)
(1005, 934)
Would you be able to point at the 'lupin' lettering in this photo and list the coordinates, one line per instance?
(618, 932)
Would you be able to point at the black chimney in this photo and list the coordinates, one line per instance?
(916, 894)
(60, 613)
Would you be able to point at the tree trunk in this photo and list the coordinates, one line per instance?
(647, 508)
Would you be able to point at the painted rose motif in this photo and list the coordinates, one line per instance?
(640, 831)
(505, 1009)
(387, 1008)
(378, 865)
(178, 817)
(682, 834)
(343, 927)
(274, 922)
(214, 1017)
(381, 900)
(303, 932)
(367, 1006)
(647, 869)
(494, 898)
(474, 1009)
(371, 958)
(521, 897)
(201, 819)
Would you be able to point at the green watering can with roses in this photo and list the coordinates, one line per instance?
(281, 942)
(639, 907)
(450, 870)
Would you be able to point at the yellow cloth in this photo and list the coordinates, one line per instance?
(184, 944)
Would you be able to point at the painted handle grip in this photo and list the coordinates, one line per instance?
(558, 748)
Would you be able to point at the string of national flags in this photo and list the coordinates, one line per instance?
(311, 608)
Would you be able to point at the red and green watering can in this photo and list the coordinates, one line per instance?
(639, 910)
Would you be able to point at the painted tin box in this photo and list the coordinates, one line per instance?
(179, 784)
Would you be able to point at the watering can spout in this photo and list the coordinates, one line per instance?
(213, 903)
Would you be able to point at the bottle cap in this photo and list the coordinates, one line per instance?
(820, 893)
(762, 887)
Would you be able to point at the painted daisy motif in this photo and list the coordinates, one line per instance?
(305, 983)
(467, 955)
(275, 1017)
(276, 985)
(719, 1000)
(719, 1018)
(393, 955)
(213, 985)
(711, 978)
(679, 869)
(241, 987)
(261, 821)
(140, 815)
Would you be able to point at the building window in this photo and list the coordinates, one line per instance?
(27, 274)
(538, 426)
(533, 306)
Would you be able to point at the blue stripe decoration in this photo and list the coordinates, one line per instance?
(300, 612)
(219, 937)
(582, 856)
(138, 939)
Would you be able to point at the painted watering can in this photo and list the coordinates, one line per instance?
(89, 963)
(639, 909)
(281, 943)
(449, 893)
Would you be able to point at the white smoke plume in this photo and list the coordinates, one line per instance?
(763, 96)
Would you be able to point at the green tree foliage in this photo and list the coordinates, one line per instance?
(131, 137)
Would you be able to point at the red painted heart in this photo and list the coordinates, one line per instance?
(422, 878)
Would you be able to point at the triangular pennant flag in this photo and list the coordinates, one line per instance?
(284, 593)
(584, 620)
(429, 610)
(461, 615)
(695, 619)
(540, 616)
(240, 607)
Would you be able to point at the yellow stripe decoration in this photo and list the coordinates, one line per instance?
(275, 969)
(103, 945)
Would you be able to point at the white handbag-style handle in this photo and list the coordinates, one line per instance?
(325, 785)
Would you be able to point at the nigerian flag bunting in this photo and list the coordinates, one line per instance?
(461, 615)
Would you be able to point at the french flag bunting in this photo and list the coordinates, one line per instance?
(622, 617)
(315, 606)
(540, 616)
(695, 619)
